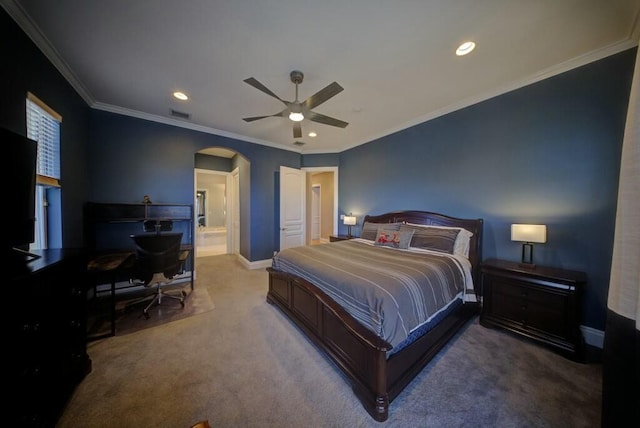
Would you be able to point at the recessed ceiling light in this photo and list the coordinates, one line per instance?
(465, 48)
(312, 134)
(181, 96)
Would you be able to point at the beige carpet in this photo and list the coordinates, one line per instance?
(244, 364)
(129, 309)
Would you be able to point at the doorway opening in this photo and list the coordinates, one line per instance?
(308, 205)
(211, 207)
(322, 204)
(220, 196)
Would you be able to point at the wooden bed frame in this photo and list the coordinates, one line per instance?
(357, 351)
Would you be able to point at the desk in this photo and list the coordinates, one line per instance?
(110, 225)
(106, 268)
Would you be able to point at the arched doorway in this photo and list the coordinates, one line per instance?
(217, 201)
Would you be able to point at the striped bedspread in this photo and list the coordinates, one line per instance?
(390, 291)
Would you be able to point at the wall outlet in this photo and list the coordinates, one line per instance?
(341, 216)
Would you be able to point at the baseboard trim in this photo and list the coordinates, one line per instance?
(260, 264)
(592, 336)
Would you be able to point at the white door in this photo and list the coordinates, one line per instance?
(292, 203)
(235, 207)
(316, 216)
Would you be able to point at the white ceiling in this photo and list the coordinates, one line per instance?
(394, 59)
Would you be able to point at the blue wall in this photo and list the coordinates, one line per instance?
(131, 158)
(25, 69)
(214, 163)
(547, 153)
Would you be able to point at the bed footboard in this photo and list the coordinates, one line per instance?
(361, 355)
(358, 352)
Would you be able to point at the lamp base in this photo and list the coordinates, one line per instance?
(527, 254)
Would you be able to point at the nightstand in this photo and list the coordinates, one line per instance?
(335, 238)
(540, 303)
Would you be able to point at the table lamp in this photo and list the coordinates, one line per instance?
(528, 234)
(349, 220)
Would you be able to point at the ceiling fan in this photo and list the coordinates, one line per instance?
(298, 111)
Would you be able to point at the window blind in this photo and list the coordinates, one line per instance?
(43, 126)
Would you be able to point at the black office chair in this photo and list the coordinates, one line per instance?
(158, 261)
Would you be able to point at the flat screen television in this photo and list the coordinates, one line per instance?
(20, 192)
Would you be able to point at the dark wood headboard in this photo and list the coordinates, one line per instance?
(425, 217)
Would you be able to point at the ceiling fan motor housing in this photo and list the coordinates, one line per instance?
(296, 76)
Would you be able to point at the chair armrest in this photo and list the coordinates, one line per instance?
(184, 254)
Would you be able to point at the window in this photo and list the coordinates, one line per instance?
(43, 126)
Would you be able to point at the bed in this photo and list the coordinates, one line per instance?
(364, 304)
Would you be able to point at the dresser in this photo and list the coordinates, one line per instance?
(45, 302)
(541, 303)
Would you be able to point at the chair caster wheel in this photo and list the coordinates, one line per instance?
(146, 315)
(184, 293)
(182, 303)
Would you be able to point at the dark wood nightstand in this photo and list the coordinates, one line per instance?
(540, 303)
(335, 238)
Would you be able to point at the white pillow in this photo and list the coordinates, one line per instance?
(461, 246)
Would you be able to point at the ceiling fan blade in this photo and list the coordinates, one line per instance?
(321, 118)
(251, 119)
(323, 95)
(253, 82)
(297, 130)
(281, 114)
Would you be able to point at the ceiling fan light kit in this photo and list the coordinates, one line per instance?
(297, 111)
(296, 117)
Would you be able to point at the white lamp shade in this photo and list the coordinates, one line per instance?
(349, 220)
(529, 233)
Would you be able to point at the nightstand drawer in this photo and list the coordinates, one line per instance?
(541, 309)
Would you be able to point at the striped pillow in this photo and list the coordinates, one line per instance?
(431, 238)
(370, 230)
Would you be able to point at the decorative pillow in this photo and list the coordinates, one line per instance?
(370, 230)
(393, 238)
(431, 238)
(461, 247)
(462, 243)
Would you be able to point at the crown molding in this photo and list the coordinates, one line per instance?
(182, 124)
(634, 34)
(17, 12)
